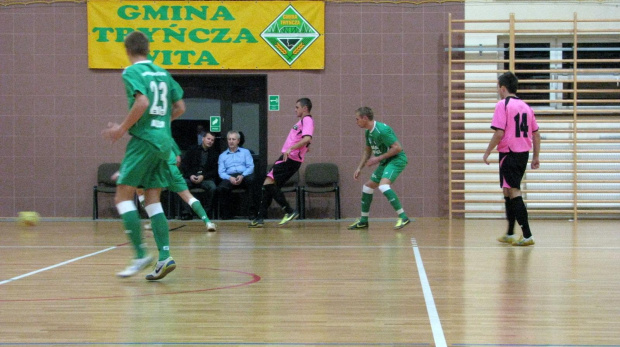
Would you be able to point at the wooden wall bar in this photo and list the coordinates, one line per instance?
(576, 99)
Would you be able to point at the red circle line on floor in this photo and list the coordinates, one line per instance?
(255, 278)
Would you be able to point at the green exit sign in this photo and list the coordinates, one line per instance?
(215, 124)
(274, 102)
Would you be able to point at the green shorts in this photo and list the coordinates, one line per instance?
(177, 182)
(144, 166)
(390, 170)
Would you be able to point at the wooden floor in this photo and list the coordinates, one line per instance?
(314, 283)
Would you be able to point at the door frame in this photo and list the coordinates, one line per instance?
(230, 88)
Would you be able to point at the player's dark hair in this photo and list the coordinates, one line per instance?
(137, 43)
(305, 102)
(508, 80)
(366, 111)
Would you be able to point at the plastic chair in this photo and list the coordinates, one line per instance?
(240, 198)
(105, 184)
(321, 178)
(292, 186)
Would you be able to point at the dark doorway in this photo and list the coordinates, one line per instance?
(240, 101)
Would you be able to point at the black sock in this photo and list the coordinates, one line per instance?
(510, 216)
(520, 212)
(279, 197)
(265, 202)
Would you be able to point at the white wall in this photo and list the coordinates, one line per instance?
(495, 9)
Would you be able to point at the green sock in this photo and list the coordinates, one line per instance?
(366, 201)
(393, 199)
(197, 207)
(159, 224)
(131, 222)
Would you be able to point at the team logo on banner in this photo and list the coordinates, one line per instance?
(290, 35)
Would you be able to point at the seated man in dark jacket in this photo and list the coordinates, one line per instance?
(199, 167)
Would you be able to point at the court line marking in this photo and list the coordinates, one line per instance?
(255, 278)
(50, 247)
(56, 265)
(527, 345)
(232, 245)
(433, 316)
(210, 344)
(241, 246)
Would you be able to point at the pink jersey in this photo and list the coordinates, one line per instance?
(305, 127)
(517, 120)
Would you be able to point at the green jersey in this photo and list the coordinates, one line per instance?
(176, 151)
(177, 182)
(380, 138)
(162, 91)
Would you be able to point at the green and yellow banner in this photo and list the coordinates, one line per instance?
(210, 34)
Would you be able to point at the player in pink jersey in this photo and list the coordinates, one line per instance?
(516, 133)
(293, 153)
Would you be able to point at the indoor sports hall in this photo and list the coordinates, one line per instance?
(428, 68)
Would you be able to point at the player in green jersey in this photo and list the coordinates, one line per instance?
(155, 99)
(383, 148)
(179, 186)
